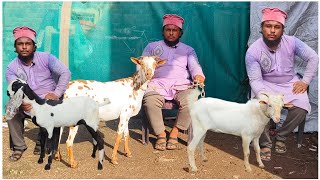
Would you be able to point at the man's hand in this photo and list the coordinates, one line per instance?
(51, 96)
(299, 87)
(26, 107)
(198, 78)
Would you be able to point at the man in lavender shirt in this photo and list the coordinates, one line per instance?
(270, 67)
(38, 69)
(171, 81)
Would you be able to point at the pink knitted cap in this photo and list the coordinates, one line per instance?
(24, 31)
(274, 14)
(173, 19)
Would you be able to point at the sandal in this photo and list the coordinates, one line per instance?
(37, 149)
(16, 155)
(172, 145)
(265, 156)
(280, 147)
(161, 145)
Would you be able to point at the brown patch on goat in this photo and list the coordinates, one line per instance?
(80, 87)
(82, 81)
(87, 87)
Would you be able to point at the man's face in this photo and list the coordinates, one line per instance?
(171, 32)
(272, 30)
(24, 47)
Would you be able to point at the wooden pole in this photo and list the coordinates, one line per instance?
(64, 32)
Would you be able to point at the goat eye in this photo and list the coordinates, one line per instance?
(269, 105)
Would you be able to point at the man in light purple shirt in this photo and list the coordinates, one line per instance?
(171, 81)
(43, 72)
(270, 67)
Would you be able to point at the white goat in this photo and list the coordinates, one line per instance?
(50, 114)
(245, 120)
(125, 96)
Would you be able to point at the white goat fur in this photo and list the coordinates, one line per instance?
(125, 96)
(245, 120)
(67, 113)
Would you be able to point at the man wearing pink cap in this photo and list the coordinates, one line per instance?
(171, 80)
(270, 67)
(38, 70)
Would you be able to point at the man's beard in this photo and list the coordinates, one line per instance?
(272, 43)
(171, 43)
(26, 59)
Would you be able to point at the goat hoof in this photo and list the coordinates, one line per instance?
(93, 155)
(248, 169)
(47, 167)
(193, 170)
(114, 162)
(129, 155)
(261, 166)
(100, 167)
(40, 161)
(74, 165)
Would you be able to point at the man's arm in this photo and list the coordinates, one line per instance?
(194, 67)
(254, 74)
(62, 71)
(306, 53)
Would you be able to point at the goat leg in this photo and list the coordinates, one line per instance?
(126, 145)
(114, 158)
(48, 166)
(257, 150)
(246, 152)
(95, 147)
(43, 137)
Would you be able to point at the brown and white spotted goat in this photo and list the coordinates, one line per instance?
(125, 96)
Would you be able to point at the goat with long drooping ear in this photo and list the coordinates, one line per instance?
(50, 114)
(245, 120)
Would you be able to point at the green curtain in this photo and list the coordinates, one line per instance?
(104, 35)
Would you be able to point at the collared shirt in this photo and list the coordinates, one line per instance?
(179, 70)
(40, 74)
(273, 71)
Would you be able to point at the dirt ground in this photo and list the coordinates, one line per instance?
(224, 152)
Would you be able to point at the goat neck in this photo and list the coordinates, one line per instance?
(139, 81)
(30, 96)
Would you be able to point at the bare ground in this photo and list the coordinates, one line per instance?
(224, 152)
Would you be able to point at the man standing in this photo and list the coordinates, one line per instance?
(38, 70)
(171, 80)
(270, 67)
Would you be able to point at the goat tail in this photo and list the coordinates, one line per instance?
(105, 102)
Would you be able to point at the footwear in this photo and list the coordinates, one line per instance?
(37, 149)
(172, 145)
(161, 145)
(280, 147)
(265, 155)
(16, 155)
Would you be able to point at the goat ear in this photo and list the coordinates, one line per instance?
(264, 97)
(135, 60)
(160, 62)
(262, 102)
